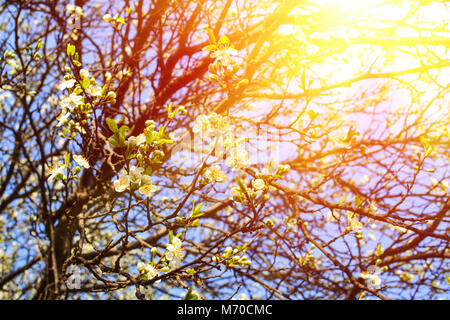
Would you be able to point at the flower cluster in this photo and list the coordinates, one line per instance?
(83, 93)
(147, 271)
(144, 150)
(373, 280)
(58, 170)
(221, 51)
(291, 223)
(259, 185)
(13, 62)
(224, 68)
(215, 174)
(212, 125)
(135, 179)
(439, 188)
(175, 254)
(233, 258)
(353, 223)
(74, 10)
(310, 261)
(237, 156)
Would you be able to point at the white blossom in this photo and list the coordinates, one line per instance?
(237, 157)
(123, 183)
(175, 253)
(215, 174)
(54, 171)
(71, 102)
(82, 161)
(135, 174)
(258, 184)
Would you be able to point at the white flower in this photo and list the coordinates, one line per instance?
(62, 118)
(242, 296)
(148, 189)
(223, 55)
(74, 10)
(365, 179)
(201, 124)
(352, 222)
(72, 101)
(237, 157)
(137, 141)
(94, 91)
(135, 174)
(373, 280)
(82, 161)
(107, 17)
(175, 253)
(54, 171)
(258, 184)
(271, 169)
(433, 181)
(140, 139)
(218, 125)
(14, 66)
(332, 216)
(147, 269)
(215, 174)
(211, 125)
(84, 74)
(444, 185)
(236, 194)
(122, 183)
(67, 84)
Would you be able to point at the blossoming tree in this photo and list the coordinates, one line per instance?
(224, 149)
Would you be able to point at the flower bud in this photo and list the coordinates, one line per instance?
(107, 17)
(195, 223)
(111, 95)
(269, 223)
(84, 74)
(213, 77)
(150, 124)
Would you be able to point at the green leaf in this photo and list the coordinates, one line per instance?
(112, 125)
(121, 133)
(212, 38)
(240, 184)
(150, 136)
(163, 141)
(358, 201)
(424, 142)
(196, 210)
(39, 44)
(210, 47)
(114, 141)
(85, 83)
(190, 295)
(67, 159)
(351, 133)
(379, 251)
(170, 236)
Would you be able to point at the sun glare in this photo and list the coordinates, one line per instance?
(373, 31)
